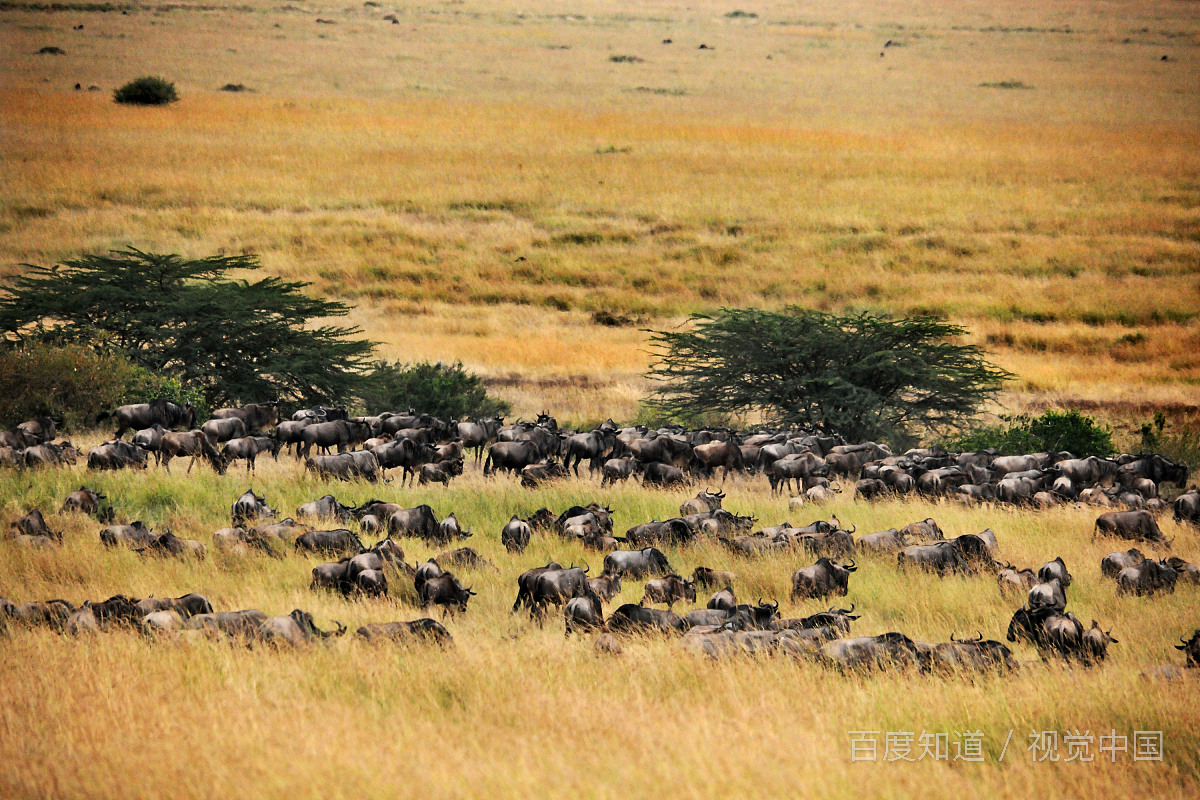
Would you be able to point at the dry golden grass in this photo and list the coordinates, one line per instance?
(514, 710)
(412, 166)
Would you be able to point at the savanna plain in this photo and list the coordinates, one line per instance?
(492, 181)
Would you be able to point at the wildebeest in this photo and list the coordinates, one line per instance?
(606, 586)
(1048, 594)
(248, 448)
(419, 523)
(326, 507)
(556, 587)
(663, 476)
(188, 605)
(822, 579)
(194, 444)
(926, 530)
(1094, 647)
(295, 630)
(1136, 525)
(449, 530)
(672, 532)
(168, 544)
(526, 582)
(1147, 578)
(1191, 648)
(223, 430)
(707, 578)
(446, 591)
(145, 415)
(533, 475)
(1055, 569)
(883, 652)
(250, 507)
(631, 618)
(511, 456)
(669, 589)
(342, 434)
(150, 440)
(462, 557)
(940, 557)
(255, 416)
(346, 466)
(418, 630)
(583, 613)
(133, 535)
(616, 469)
(835, 619)
(515, 535)
(1187, 507)
(1112, 564)
(242, 625)
(704, 501)
(337, 541)
(1012, 580)
(84, 500)
(972, 655)
(441, 472)
(1186, 572)
(727, 455)
(637, 563)
(39, 614)
(889, 541)
(116, 455)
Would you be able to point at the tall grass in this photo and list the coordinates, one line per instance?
(513, 708)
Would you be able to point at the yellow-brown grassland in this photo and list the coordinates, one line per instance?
(480, 179)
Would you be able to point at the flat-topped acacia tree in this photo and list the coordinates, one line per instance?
(237, 341)
(864, 376)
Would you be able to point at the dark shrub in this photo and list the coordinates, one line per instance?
(147, 91)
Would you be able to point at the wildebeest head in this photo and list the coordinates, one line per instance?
(305, 622)
(1191, 648)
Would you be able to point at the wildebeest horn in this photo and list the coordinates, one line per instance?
(852, 530)
(341, 628)
(952, 637)
(850, 567)
(471, 589)
(979, 638)
(586, 568)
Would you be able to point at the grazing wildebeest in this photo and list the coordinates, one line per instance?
(84, 500)
(583, 613)
(1094, 647)
(255, 416)
(242, 625)
(940, 557)
(883, 652)
(835, 619)
(1112, 564)
(116, 455)
(194, 444)
(822, 579)
(515, 535)
(1136, 525)
(294, 630)
(327, 507)
(462, 557)
(440, 472)
(38, 431)
(972, 655)
(418, 630)
(1147, 578)
(1055, 569)
(534, 475)
(248, 448)
(1187, 507)
(707, 578)
(133, 535)
(606, 586)
(637, 563)
(616, 469)
(663, 476)
(188, 605)
(669, 589)
(1012, 580)
(168, 544)
(889, 541)
(338, 541)
(445, 590)
(145, 415)
(419, 523)
(631, 618)
(250, 507)
(672, 531)
(926, 530)
(724, 600)
(703, 502)
(1049, 594)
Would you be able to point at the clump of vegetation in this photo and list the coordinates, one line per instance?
(147, 91)
(51, 51)
(611, 320)
(234, 87)
(864, 376)
(1006, 85)
(1052, 432)
(625, 59)
(445, 391)
(1181, 445)
(72, 383)
(742, 15)
(661, 90)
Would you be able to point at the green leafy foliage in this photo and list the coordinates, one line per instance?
(232, 340)
(73, 383)
(864, 376)
(147, 91)
(1181, 444)
(1053, 431)
(445, 391)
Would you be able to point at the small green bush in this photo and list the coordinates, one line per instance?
(147, 91)
(73, 383)
(445, 391)
(1051, 432)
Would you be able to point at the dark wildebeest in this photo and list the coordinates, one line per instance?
(669, 589)
(672, 531)
(186, 606)
(637, 563)
(338, 541)
(724, 600)
(1187, 507)
(37, 431)
(295, 630)
(703, 502)
(1147, 578)
(327, 507)
(631, 618)
(423, 572)
(248, 448)
(1055, 569)
(822, 579)
(1112, 564)
(1049, 594)
(406, 454)
(168, 544)
(526, 582)
(441, 472)
(419, 523)
(889, 541)
(476, 435)
(224, 430)
(606, 586)
(707, 578)
(145, 415)
(972, 655)
(342, 434)
(707, 457)
(194, 444)
(242, 625)
(556, 587)
(1012, 580)
(85, 500)
(116, 455)
(465, 557)
(133, 535)
(1094, 647)
(534, 475)
(250, 507)
(616, 469)
(1191, 649)
(886, 651)
(511, 456)
(446, 591)
(593, 446)
(925, 530)
(150, 440)
(418, 630)
(290, 433)
(584, 613)
(663, 476)
(835, 619)
(941, 557)
(1136, 525)
(346, 466)
(255, 416)
(515, 535)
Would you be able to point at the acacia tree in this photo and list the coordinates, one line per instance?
(235, 340)
(864, 376)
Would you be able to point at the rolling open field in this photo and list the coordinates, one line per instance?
(481, 179)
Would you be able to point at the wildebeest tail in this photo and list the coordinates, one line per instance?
(103, 415)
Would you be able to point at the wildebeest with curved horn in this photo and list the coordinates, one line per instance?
(145, 415)
(822, 579)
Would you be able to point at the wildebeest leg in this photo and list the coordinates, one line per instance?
(190, 463)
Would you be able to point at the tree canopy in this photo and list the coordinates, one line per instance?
(445, 391)
(237, 341)
(864, 376)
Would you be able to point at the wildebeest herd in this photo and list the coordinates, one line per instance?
(429, 450)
